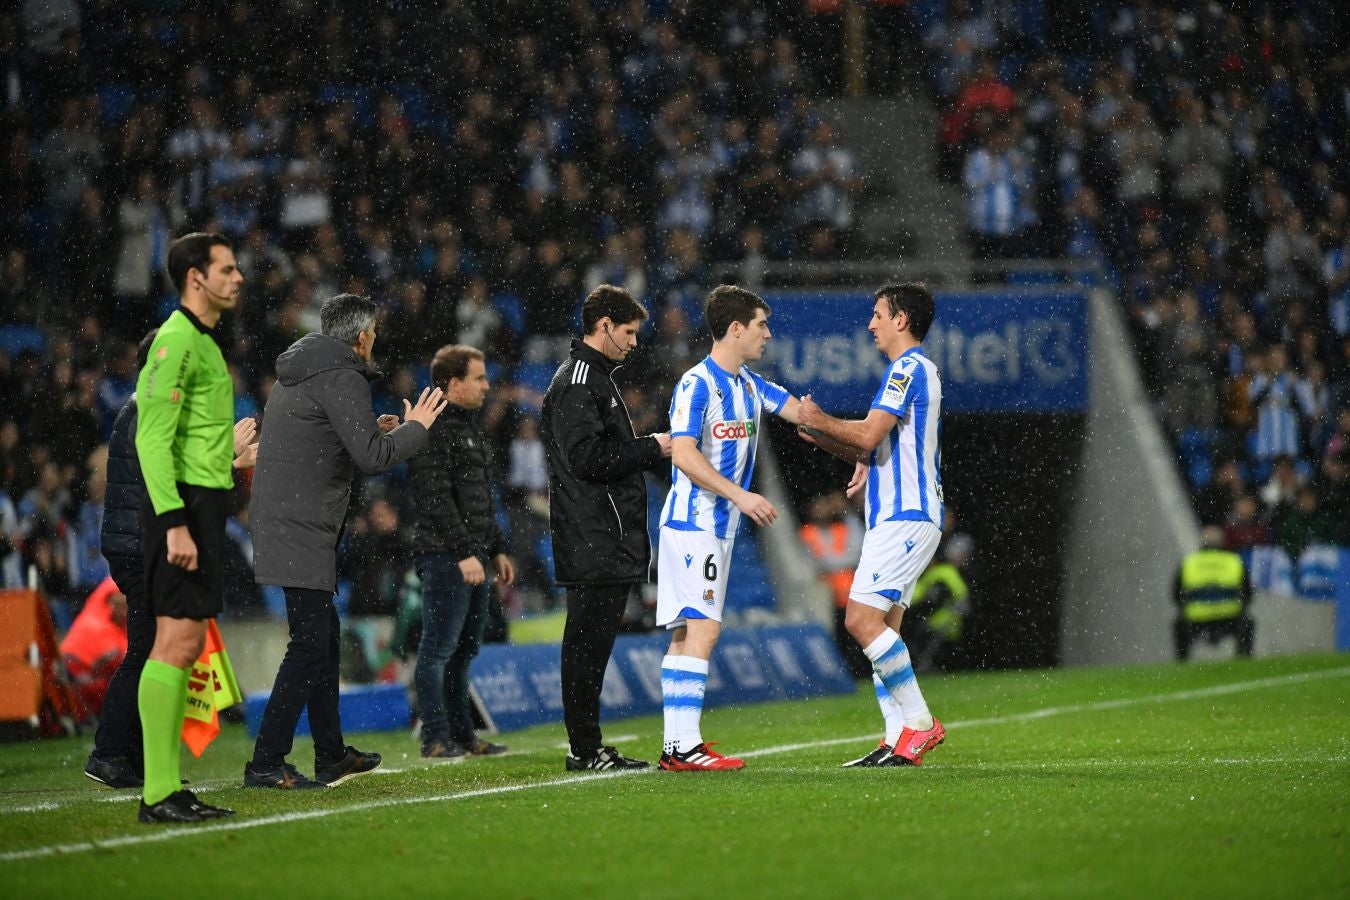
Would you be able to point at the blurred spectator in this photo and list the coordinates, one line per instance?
(1244, 530)
(832, 535)
(376, 560)
(999, 198)
(95, 644)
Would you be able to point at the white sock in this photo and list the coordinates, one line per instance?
(891, 711)
(890, 661)
(683, 682)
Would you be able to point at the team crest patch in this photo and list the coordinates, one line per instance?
(175, 395)
(708, 597)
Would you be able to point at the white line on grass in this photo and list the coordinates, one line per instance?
(169, 834)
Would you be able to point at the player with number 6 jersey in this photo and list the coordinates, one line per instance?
(714, 429)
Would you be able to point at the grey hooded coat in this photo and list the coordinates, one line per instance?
(318, 428)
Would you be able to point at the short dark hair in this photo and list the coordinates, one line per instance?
(729, 303)
(614, 303)
(452, 361)
(915, 300)
(143, 348)
(344, 316)
(192, 251)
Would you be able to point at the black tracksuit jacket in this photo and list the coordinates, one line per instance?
(597, 495)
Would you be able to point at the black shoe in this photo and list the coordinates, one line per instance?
(349, 766)
(602, 760)
(445, 750)
(875, 758)
(113, 771)
(181, 806)
(482, 747)
(206, 810)
(284, 777)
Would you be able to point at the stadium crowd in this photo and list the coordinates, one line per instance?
(1197, 151)
(447, 159)
(477, 167)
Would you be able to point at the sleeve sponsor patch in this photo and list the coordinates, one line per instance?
(897, 383)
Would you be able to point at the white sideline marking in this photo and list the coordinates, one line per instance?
(171, 833)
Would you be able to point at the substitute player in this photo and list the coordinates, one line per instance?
(714, 428)
(185, 441)
(896, 451)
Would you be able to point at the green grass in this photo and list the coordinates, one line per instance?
(1214, 780)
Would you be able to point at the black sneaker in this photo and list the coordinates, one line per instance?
(285, 777)
(603, 759)
(181, 806)
(113, 772)
(445, 750)
(206, 810)
(349, 766)
(483, 747)
(873, 759)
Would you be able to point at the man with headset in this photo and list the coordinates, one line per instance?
(598, 510)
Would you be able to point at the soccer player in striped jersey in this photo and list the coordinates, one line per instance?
(896, 451)
(714, 429)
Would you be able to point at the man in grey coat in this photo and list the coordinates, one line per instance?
(319, 428)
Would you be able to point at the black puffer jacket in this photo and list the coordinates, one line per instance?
(597, 495)
(121, 533)
(452, 490)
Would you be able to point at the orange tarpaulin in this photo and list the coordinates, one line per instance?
(33, 683)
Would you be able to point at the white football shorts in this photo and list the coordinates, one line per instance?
(894, 555)
(691, 576)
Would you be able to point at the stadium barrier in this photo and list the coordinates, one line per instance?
(518, 686)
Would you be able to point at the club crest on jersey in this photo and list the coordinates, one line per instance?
(708, 597)
(734, 431)
(161, 352)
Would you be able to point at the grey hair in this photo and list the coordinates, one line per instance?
(347, 315)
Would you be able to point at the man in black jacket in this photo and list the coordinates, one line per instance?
(455, 540)
(318, 429)
(116, 758)
(598, 510)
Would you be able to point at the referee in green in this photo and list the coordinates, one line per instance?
(185, 441)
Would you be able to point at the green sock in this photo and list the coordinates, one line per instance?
(163, 698)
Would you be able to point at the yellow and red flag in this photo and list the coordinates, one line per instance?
(211, 688)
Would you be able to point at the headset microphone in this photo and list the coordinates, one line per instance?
(614, 342)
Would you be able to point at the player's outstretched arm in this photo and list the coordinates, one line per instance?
(835, 448)
(863, 435)
(689, 460)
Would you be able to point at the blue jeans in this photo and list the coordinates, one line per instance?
(454, 615)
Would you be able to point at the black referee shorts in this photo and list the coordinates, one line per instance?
(172, 590)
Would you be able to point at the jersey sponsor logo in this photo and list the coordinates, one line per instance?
(688, 558)
(909, 545)
(733, 431)
(613, 402)
(875, 576)
(162, 352)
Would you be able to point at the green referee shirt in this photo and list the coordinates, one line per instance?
(186, 403)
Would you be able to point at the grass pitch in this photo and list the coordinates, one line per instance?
(1213, 780)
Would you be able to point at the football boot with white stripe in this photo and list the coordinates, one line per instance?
(603, 760)
(699, 759)
(876, 757)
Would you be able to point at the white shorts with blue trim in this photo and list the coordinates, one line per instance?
(894, 555)
(691, 574)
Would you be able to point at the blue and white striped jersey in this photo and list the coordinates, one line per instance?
(721, 412)
(904, 479)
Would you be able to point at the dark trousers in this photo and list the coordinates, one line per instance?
(119, 722)
(1242, 627)
(308, 678)
(594, 613)
(454, 617)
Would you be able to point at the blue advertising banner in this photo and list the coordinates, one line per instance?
(521, 685)
(1002, 351)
